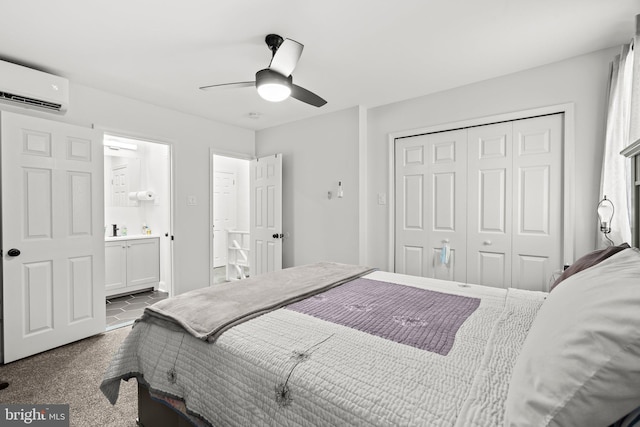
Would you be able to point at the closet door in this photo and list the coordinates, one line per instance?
(431, 178)
(492, 193)
(537, 233)
(489, 205)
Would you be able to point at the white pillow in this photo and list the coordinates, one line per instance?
(580, 362)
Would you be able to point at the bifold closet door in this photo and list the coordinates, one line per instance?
(514, 204)
(430, 205)
(491, 193)
(537, 209)
(489, 204)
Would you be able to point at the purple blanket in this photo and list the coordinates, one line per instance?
(420, 318)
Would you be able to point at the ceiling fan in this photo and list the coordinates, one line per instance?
(275, 83)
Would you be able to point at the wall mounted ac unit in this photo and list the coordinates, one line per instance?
(32, 88)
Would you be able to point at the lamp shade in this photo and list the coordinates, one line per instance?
(273, 86)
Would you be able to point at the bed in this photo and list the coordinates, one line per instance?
(359, 347)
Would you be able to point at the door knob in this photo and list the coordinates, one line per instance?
(486, 242)
(13, 252)
(278, 236)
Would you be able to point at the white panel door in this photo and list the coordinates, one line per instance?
(489, 205)
(430, 191)
(502, 222)
(53, 213)
(266, 214)
(224, 213)
(537, 169)
(411, 249)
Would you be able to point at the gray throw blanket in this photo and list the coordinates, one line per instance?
(206, 313)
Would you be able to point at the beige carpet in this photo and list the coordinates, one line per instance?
(72, 374)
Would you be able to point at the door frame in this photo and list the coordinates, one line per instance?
(223, 153)
(172, 189)
(568, 172)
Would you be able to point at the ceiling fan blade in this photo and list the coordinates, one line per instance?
(302, 94)
(286, 57)
(229, 85)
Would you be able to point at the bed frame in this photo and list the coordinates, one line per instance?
(152, 413)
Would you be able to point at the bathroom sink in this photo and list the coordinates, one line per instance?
(130, 237)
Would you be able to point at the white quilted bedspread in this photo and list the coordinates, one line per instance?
(335, 375)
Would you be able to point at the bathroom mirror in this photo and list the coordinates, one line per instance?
(123, 177)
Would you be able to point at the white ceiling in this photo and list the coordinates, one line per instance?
(357, 52)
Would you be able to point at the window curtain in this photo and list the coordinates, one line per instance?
(616, 169)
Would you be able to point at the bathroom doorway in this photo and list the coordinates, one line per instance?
(229, 218)
(138, 226)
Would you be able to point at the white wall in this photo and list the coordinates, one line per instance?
(581, 80)
(317, 153)
(192, 137)
(320, 151)
(323, 150)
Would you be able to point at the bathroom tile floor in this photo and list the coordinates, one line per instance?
(123, 310)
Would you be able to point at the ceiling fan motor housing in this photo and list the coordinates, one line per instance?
(268, 76)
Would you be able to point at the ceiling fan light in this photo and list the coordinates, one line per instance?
(274, 92)
(273, 86)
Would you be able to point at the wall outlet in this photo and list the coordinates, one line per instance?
(192, 201)
(382, 198)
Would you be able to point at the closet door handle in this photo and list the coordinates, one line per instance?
(487, 242)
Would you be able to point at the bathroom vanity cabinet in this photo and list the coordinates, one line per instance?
(132, 263)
